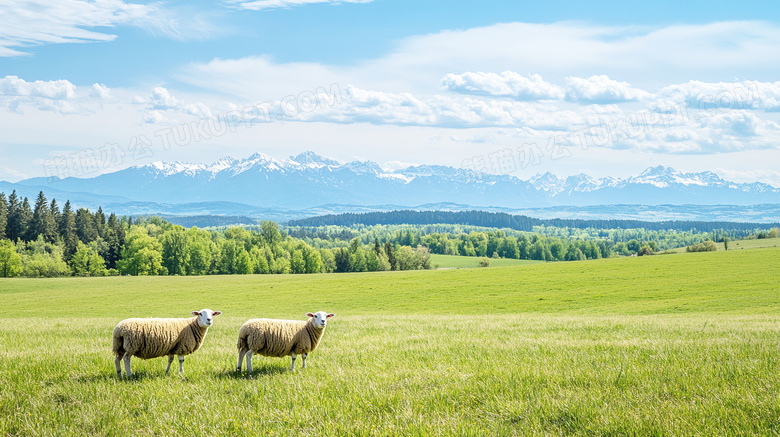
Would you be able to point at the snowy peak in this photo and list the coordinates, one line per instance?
(313, 160)
(303, 163)
(548, 182)
(363, 167)
(663, 177)
(430, 171)
(584, 183)
(160, 168)
(222, 164)
(308, 179)
(258, 162)
(657, 171)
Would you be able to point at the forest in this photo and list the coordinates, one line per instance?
(516, 222)
(544, 243)
(46, 241)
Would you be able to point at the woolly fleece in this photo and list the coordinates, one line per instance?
(279, 338)
(155, 337)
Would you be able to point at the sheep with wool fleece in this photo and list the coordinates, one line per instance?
(279, 338)
(155, 337)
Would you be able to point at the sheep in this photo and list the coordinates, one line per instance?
(279, 338)
(154, 337)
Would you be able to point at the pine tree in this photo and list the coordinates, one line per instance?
(378, 248)
(342, 260)
(67, 227)
(85, 226)
(100, 222)
(25, 217)
(42, 221)
(3, 215)
(390, 252)
(114, 236)
(55, 215)
(13, 228)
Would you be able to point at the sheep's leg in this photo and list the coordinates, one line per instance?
(241, 354)
(304, 360)
(181, 364)
(170, 360)
(292, 366)
(126, 359)
(249, 361)
(118, 366)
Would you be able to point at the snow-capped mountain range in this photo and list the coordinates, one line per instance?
(309, 181)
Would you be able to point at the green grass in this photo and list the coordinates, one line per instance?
(468, 262)
(683, 344)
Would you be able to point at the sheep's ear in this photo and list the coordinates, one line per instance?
(216, 313)
(310, 314)
(329, 315)
(195, 313)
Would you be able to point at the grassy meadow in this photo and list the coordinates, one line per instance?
(681, 344)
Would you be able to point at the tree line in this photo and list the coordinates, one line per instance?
(544, 243)
(510, 221)
(45, 241)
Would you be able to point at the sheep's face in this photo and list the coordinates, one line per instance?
(206, 317)
(320, 318)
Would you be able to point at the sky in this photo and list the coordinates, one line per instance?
(505, 87)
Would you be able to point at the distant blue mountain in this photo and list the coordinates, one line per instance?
(259, 185)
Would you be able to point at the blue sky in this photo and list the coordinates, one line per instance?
(398, 82)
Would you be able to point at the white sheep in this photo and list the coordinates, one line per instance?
(279, 338)
(154, 337)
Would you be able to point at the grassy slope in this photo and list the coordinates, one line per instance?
(677, 344)
(716, 282)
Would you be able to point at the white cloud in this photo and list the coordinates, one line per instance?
(161, 98)
(25, 23)
(405, 109)
(62, 97)
(33, 22)
(725, 95)
(275, 4)
(639, 56)
(100, 92)
(198, 109)
(602, 89)
(155, 117)
(58, 96)
(54, 89)
(741, 124)
(181, 23)
(161, 106)
(506, 84)
(732, 131)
